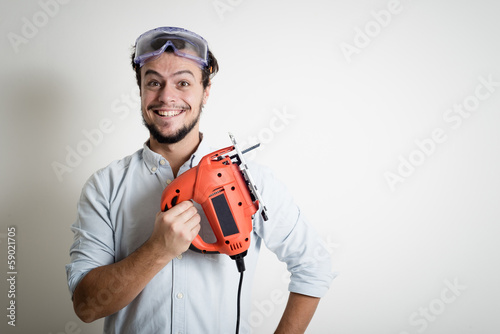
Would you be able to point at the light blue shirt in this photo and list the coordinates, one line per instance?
(195, 293)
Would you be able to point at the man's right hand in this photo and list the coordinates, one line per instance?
(175, 229)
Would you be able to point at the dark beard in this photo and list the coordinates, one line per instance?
(176, 137)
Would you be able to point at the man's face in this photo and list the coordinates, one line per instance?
(172, 96)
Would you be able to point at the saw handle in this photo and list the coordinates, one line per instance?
(178, 192)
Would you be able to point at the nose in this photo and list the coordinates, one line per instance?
(167, 94)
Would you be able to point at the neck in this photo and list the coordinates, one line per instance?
(177, 154)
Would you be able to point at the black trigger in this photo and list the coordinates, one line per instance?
(174, 200)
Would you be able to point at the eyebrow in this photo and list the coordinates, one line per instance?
(183, 72)
(153, 72)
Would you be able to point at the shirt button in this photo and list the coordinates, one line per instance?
(154, 169)
(162, 162)
(169, 181)
(179, 257)
(180, 295)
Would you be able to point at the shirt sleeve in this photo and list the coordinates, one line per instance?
(293, 239)
(93, 244)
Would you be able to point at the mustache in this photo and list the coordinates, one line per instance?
(166, 106)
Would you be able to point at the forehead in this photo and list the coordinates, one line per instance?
(169, 63)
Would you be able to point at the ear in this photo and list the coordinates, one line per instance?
(206, 93)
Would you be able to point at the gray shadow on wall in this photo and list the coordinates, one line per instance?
(36, 108)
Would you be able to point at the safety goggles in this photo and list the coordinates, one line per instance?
(184, 43)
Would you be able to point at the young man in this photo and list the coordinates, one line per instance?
(130, 263)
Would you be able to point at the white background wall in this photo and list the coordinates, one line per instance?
(402, 186)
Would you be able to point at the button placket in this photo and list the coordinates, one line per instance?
(179, 294)
(164, 172)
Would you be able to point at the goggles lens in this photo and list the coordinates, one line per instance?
(184, 43)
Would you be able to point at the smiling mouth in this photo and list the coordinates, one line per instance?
(168, 113)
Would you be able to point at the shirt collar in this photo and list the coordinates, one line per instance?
(202, 150)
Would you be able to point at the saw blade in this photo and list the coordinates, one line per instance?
(248, 177)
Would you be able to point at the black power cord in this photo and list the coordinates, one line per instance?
(239, 302)
(240, 264)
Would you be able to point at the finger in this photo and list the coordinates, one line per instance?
(193, 226)
(193, 221)
(190, 217)
(195, 230)
(180, 208)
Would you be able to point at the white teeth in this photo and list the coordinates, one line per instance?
(169, 113)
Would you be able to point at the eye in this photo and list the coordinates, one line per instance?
(153, 83)
(183, 83)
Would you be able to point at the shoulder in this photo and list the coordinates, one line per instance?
(260, 170)
(274, 191)
(114, 172)
(263, 175)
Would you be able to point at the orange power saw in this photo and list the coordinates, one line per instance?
(223, 186)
